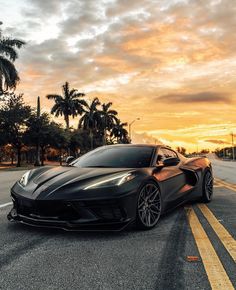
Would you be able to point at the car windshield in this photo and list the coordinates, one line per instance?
(116, 157)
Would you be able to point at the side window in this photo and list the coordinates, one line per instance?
(164, 153)
(169, 153)
(160, 156)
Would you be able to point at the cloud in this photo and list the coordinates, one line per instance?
(41, 8)
(144, 138)
(202, 97)
(153, 39)
(217, 142)
(130, 52)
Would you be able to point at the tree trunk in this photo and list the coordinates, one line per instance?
(12, 158)
(18, 157)
(42, 156)
(27, 157)
(67, 122)
(105, 132)
(60, 159)
(37, 157)
(67, 128)
(104, 137)
(91, 139)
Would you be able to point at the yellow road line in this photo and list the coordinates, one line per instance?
(217, 276)
(225, 237)
(217, 185)
(225, 184)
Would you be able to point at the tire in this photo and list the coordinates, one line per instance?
(149, 206)
(207, 187)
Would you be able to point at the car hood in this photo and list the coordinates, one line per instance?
(62, 175)
(48, 181)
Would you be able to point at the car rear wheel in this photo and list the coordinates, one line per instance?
(207, 188)
(148, 206)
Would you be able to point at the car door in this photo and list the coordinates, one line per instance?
(171, 178)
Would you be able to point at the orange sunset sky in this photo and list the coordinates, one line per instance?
(170, 63)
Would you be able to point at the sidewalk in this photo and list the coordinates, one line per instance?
(7, 166)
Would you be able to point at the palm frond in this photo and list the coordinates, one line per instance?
(53, 97)
(12, 42)
(57, 111)
(113, 112)
(8, 73)
(8, 51)
(82, 102)
(106, 106)
(72, 93)
(81, 121)
(95, 103)
(77, 95)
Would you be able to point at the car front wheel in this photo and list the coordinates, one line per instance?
(149, 206)
(207, 187)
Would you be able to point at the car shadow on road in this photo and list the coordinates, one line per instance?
(166, 221)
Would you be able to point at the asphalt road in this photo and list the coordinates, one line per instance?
(225, 170)
(33, 258)
(7, 179)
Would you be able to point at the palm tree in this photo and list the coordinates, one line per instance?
(69, 104)
(91, 119)
(8, 74)
(120, 133)
(109, 119)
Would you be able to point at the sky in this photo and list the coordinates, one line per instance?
(171, 63)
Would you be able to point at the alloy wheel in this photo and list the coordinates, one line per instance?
(208, 185)
(149, 205)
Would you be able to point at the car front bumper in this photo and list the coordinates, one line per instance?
(82, 215)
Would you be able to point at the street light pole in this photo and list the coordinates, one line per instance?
(130, 124)
(232, 135)
(37, 159)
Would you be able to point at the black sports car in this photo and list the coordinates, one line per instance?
(110, 188)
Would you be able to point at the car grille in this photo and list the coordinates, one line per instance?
(46, 209)
(105, 209)
(108, 213)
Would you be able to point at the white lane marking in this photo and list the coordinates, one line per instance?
(5, 204)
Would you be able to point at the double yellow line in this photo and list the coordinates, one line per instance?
(216, 273)
(221, 183)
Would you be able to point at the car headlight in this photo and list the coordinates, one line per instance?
(111, 181)
(24, 179)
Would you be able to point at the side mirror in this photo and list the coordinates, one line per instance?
(69, 159)
(172, 161)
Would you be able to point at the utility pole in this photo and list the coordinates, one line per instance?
(37, 159)
(232, 135)
(130, 124)
(105, 132)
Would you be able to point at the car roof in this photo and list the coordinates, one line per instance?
(135, 145)
(154, 146)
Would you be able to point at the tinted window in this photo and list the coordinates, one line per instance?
(168, 153)
(164, 153)
(118, 157)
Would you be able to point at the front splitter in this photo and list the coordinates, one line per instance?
(13, 216)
